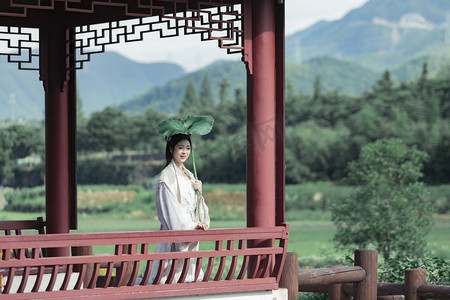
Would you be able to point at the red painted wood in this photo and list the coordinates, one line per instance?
(261, 118)
(184, 272)
(280, 113)
(198, 267)
(53, 65)
(39, 277)
(125, 254)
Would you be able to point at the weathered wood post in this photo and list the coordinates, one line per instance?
(83, 251)
(289, 276)
(336, 292)
(413, 279)
(366, 289)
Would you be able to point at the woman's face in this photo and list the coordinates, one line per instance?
(181, 152)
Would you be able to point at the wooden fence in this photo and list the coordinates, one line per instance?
(359, 281)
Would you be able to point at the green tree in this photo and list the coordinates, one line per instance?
(224, 85)
(109, 130)
(206, 99)
(190, 102)
(6, 144)
(26, 140)
(389, 212)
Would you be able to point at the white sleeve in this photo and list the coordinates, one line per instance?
(170, 212)
(204, 212)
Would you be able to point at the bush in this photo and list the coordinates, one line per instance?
(25, 200)
(440, 197)
(124, 200)
(438, 269)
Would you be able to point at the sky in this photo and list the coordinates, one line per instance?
(193, 54)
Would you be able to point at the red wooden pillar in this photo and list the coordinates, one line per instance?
(261, 118)
(280, 108)
(59, 143)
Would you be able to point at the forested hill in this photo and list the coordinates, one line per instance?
(108, 79)
(335, 74)
(381, 34)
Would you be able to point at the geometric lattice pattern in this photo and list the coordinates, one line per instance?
(219, 20)
(221, 23)
(20, 45)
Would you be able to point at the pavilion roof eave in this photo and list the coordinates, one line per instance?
(59, 15)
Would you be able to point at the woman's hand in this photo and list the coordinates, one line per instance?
(198, 186)
(202, 225)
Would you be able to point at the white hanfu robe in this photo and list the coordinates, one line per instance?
(176, 202)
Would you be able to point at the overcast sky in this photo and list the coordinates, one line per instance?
(192, 54)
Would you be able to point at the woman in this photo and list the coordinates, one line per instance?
(176, 203)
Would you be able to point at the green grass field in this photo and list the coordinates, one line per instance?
(310, 232)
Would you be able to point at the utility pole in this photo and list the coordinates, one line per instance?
(447, 29)
(12, 102)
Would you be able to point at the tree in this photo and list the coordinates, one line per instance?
(109, 130)
(389, 211)
(6, 144)
(206, 95)
(224, 84)
(190, 102)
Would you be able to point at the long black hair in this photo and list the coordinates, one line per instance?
(172, 142)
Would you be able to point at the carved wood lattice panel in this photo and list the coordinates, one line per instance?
(218, 20)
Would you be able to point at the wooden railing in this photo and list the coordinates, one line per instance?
(360, 281)
(228, 265)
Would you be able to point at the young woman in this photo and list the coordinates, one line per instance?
(176, 203)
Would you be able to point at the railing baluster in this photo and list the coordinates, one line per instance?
(148, 270)
(23, 283)
(7, 287)
(40, 275)
(81, 276)
(69, 271)
(221, 268)
(244, 267)
(208, 269)
(256, 268)
(120, 276)
(159, 274)
(109, 270)
(230, 246)
(279, 259)
(94, 276)
(173, 270)
(52, 281)
(198, 267)
(134, 273)
(184, 272)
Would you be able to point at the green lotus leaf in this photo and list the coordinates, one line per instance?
(200, 125)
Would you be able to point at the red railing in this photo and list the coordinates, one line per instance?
(228, 265)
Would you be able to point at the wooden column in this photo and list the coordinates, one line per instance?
(261, 119)
(413, 279)
(54, 71)
(280, 113)
(289, 276)
(366, 289)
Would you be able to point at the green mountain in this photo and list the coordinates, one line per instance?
(108, 79)
(382, 34)
(21, 93)
(335, 75)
